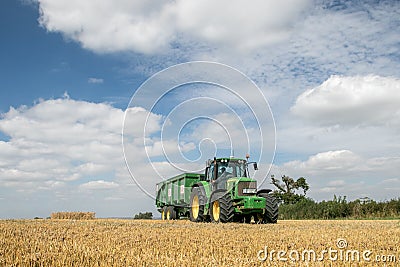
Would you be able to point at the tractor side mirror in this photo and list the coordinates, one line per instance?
(255, 166)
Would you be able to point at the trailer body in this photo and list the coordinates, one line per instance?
(175, 192)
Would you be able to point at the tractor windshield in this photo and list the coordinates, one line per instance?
(232, 168)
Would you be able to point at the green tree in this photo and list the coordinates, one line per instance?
(144, 216)
(287, 189)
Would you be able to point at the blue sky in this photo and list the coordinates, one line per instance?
(37, 64)
(329, 70)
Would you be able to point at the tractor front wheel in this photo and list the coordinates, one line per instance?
(221, 207)
(271, 208)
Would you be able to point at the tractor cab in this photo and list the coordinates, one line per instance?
(219, 171)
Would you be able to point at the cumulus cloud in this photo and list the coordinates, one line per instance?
(223, 129)
(140, 122)
(100, 184)
(352, 101)
(343, 137)
(58, 146)
(345, 173)
(225, 23)
(60, 141)
(287, 45)
(330, 161)
(337, 183)
(344, 164)
(151, 27)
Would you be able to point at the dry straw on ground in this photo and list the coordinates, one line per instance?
(104, 242)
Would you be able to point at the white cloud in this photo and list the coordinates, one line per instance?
(224, 129)
(100, 184)
(60, 141)
(113, 198)
(343, 137)
(285, 46)
(91, 168)
(344, 163)
(130, 25)
(337, 183)
(224, 23)
(60, 145)
(140, 122)
(149, 27)
(354, 101)
(159, 147)
(95, 80)
(61, 121)
(345, 173)
(330, 161)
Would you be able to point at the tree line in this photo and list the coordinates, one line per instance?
(143, 216)
(340, 208)
(294, 204)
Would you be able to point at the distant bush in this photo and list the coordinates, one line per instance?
(73, 215)
(143, 216)
(340, 208)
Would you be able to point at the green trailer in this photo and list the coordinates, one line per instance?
(224, 193)
(173, 195)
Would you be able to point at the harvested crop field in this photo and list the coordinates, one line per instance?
(106, 242)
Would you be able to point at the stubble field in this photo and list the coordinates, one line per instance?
(106, 242)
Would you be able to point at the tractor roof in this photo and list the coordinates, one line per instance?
(229, 159)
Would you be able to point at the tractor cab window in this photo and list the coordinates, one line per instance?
(211, 173)
(232, 169)
(239, 169)
(226, 169)
(223, 170)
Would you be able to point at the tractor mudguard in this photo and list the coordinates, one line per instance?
(203, 189)
(266, 191)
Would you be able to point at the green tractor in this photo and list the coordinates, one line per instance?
(226, 193)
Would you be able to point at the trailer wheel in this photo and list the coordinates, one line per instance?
(271, 208)
(221, 207)
(197, 201)
(164, 213)
(171, 214)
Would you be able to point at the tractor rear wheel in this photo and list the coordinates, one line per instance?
(271, 208)
(197, 201)
(221, 209)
